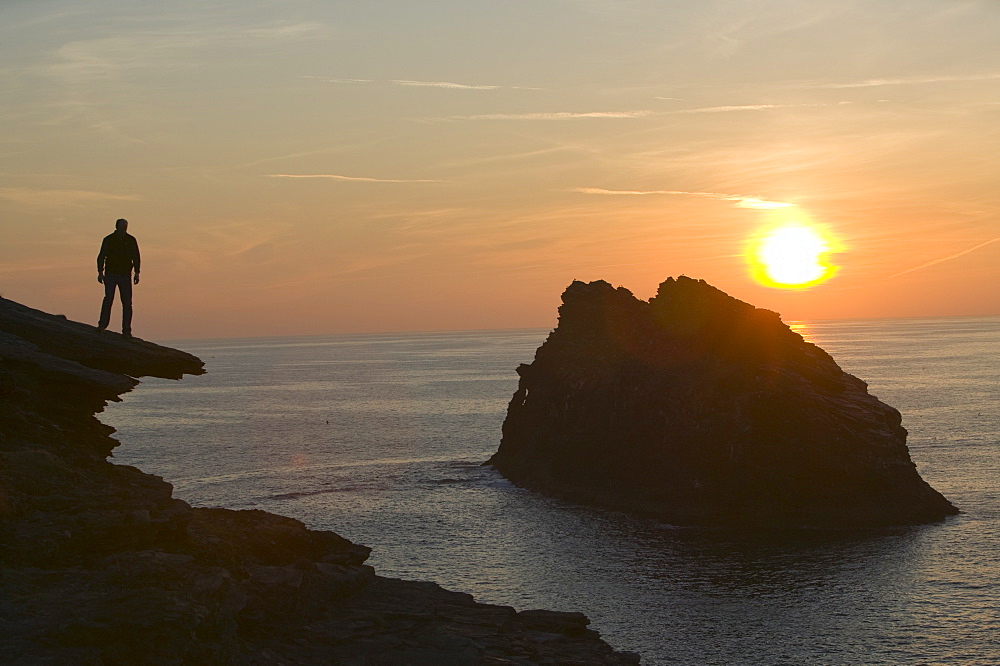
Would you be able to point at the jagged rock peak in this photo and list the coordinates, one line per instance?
(702, 409)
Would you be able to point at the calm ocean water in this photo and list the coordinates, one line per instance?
(380, 438)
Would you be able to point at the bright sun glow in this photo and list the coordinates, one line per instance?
(792, 256)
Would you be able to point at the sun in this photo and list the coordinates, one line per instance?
(792, 256)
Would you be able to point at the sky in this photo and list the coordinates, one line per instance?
(316, 167)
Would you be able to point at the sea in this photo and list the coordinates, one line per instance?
(382, 439)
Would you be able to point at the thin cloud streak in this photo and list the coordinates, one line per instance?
(448, 85)
(910, 80)
(948, 258)
(509, 156)
(561, 115)
(60, 198)
(743, 107)
(640, 113)
(105, 58)
(444, 84)
(361, 179)
(339, 148)
(30, 267)
(286, 31)
(741, 201)
(330, 80)
(761, 204)
(278, 158)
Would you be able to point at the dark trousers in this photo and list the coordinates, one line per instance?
(123, 281)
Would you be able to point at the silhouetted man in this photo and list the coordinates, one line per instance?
(118, 256)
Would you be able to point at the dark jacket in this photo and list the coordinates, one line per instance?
(119, 253)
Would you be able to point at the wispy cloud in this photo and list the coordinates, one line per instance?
(741, 201)
(909, 80)
(448, 85)
(286, 30)
(107, 57)
(30, 266)
(562, 115)
(60, 198)
(639, 113)
(754, 202)
(746, 107)
(509, 157)
(361, 179)
(92, 72)
(444, 84)
(948, 258)
(326, 79)
(735, 31)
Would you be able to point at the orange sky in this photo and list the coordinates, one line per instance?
(311, 167)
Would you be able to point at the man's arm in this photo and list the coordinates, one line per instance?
(101, 258)
(135, 259)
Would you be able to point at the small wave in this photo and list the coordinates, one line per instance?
(464, 464)
(311, 493)
(502, 483)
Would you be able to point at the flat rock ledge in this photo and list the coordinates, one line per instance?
(100, 564)
(700, 409)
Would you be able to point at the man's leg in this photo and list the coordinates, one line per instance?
(125, 291)
(109, 298)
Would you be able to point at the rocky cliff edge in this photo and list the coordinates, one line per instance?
(100, 564)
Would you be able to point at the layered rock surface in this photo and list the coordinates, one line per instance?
(99, 563)
(701, 409)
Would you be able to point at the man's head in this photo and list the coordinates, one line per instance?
(121, 224)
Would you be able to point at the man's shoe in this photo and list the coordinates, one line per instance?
(101, 329)
(127, 335)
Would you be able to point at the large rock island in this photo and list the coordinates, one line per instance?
(100, 564)
(700, 409)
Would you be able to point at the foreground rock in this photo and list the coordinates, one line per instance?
(702, 410)
(100, 564)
